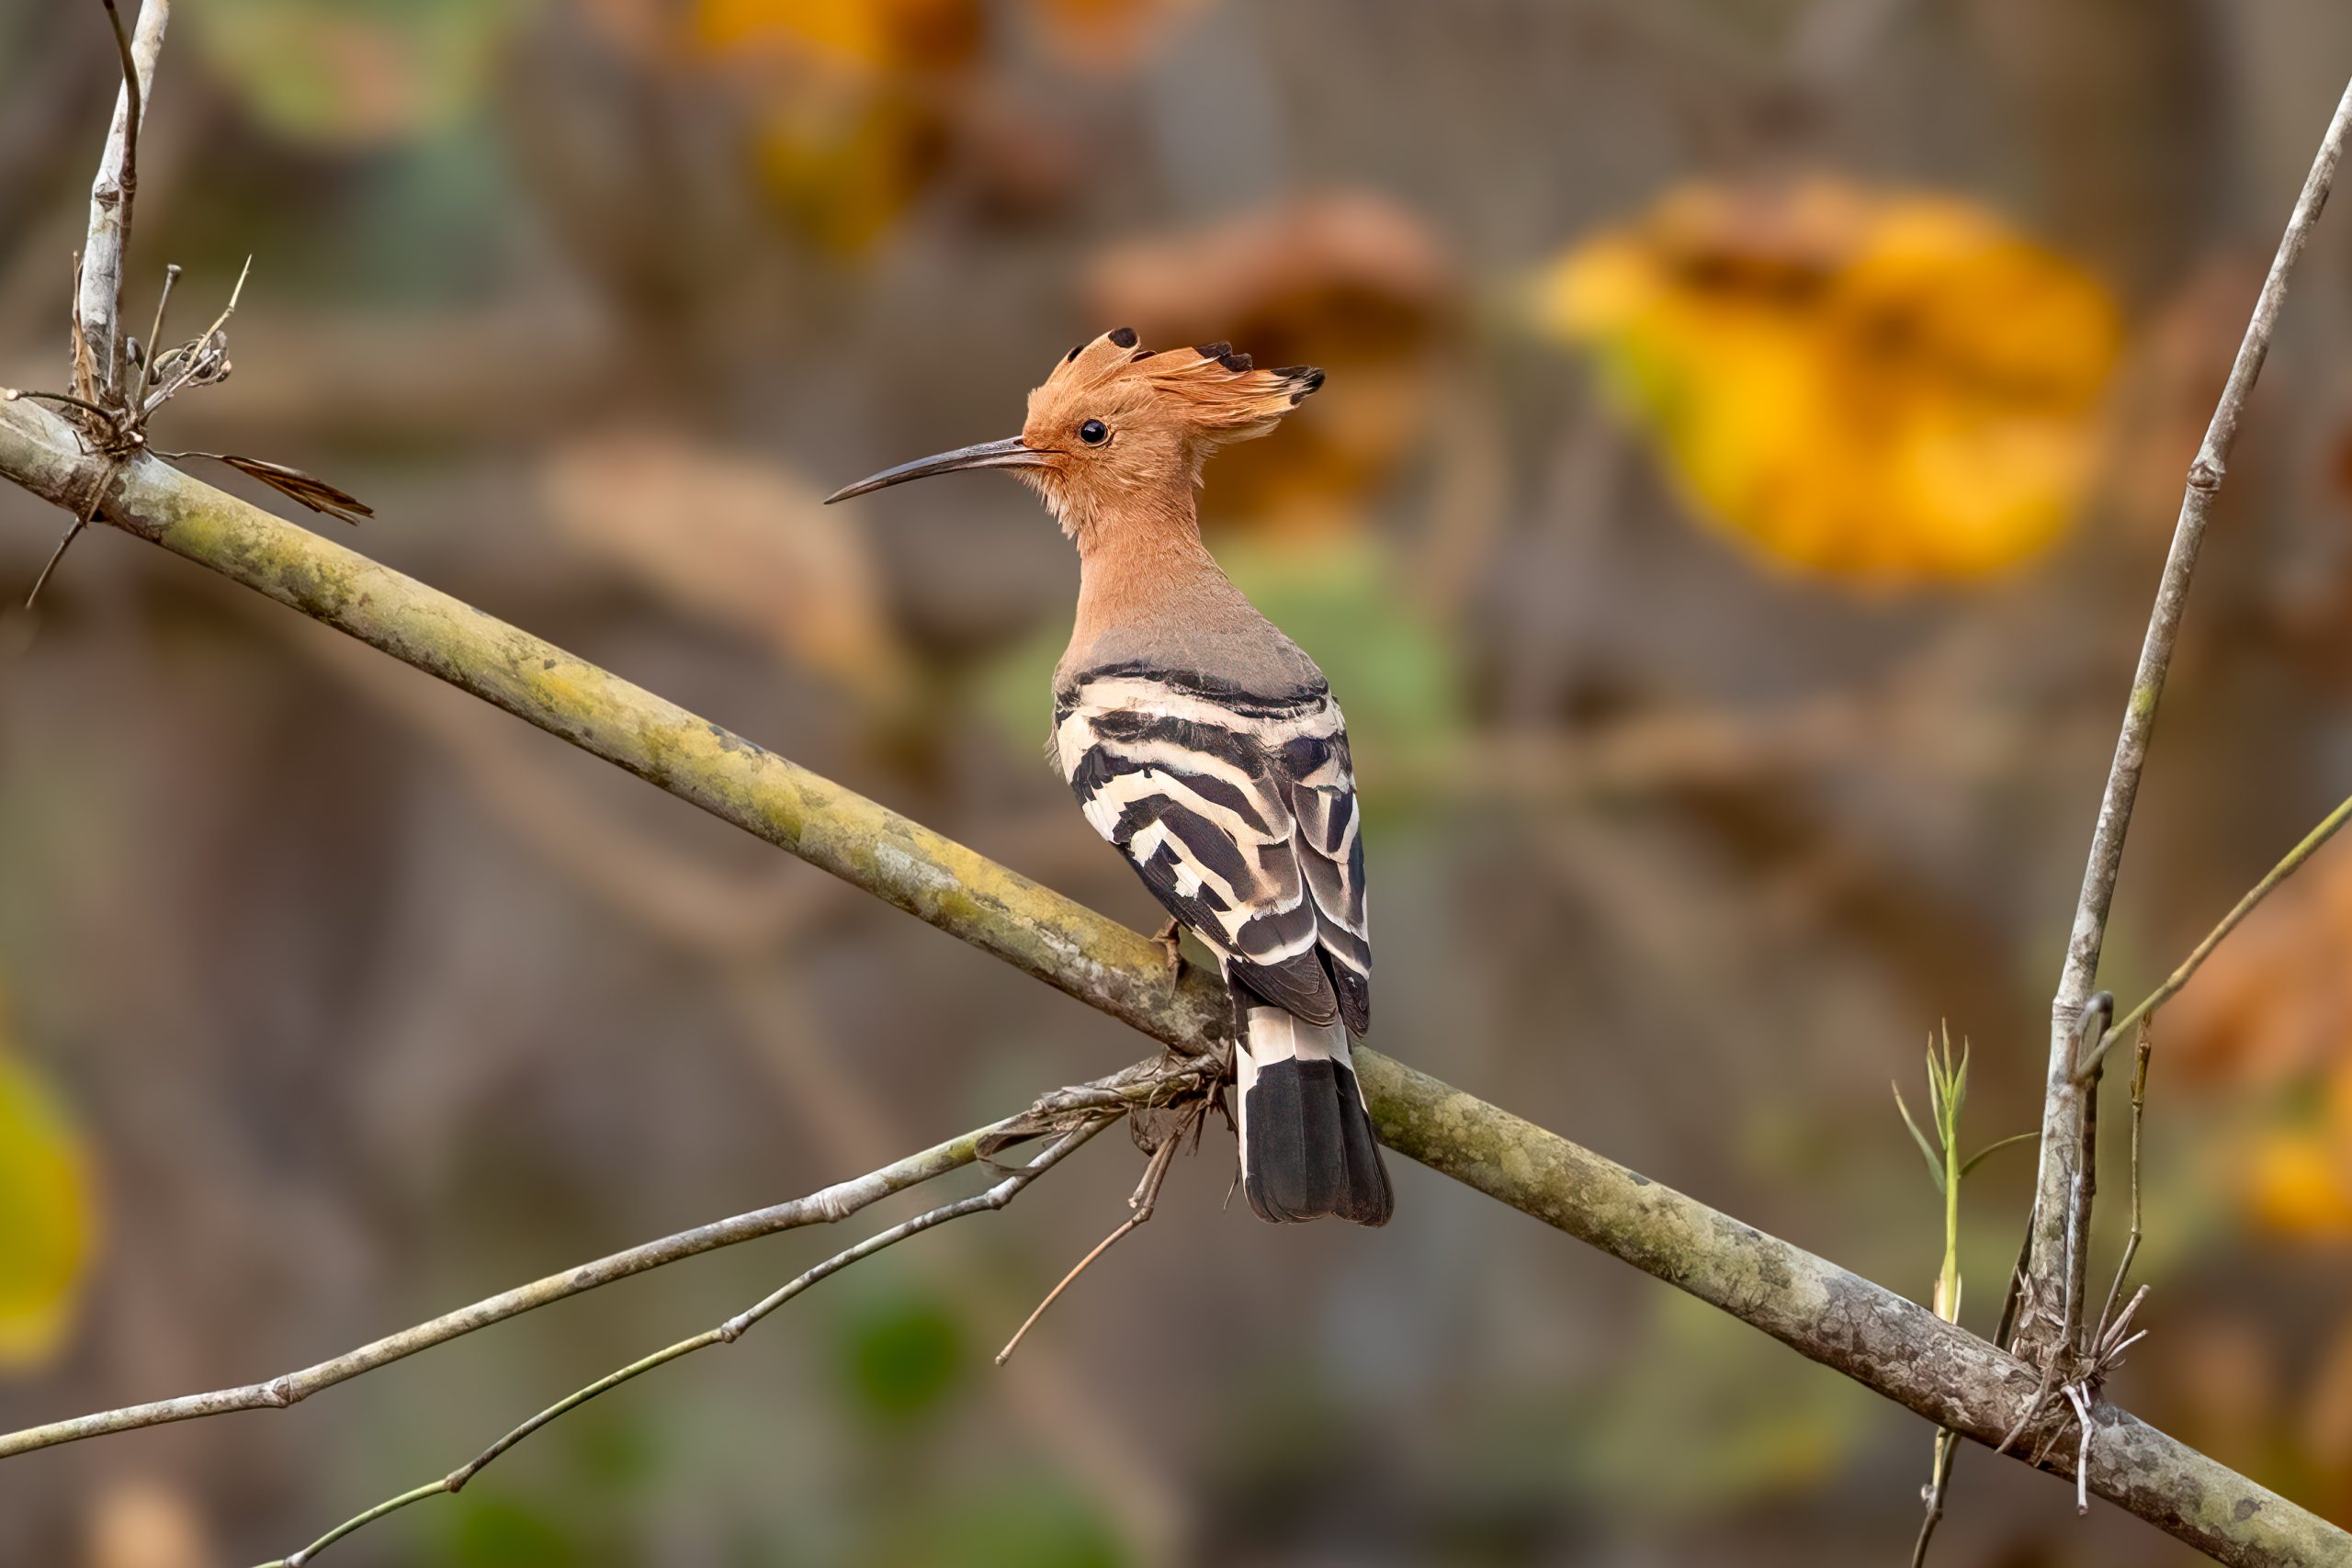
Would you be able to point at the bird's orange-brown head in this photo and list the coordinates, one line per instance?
(1120, 428)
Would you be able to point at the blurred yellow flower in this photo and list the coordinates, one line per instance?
(2296, 1185)
(1882, 386)
(45, 1215)
(867, 35)
(2265, 1025)
(2297, 1173)
(854, 102)
(842, 168)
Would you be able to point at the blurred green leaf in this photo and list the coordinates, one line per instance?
(355, 72)
(493, 1532)
(1740, 1420)
(902, 1354)
(46, 1217)
(1745, 330)
(1013, 1523)
(1345, 602)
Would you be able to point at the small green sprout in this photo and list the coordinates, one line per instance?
(1946, 1092)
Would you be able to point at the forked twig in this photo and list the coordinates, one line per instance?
(2067, 1098)
(117, 404)
(726, 1332)
(2288, 865)
(202, 360)
(1144, 1200)
(1894, 1346)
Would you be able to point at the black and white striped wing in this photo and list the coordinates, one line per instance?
(1240, 813)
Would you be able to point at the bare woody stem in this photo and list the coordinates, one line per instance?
(2058, 1246)
(1889, 1344)
(2288, 865)
(995, 1197)
(97, 304)
(827, 1206)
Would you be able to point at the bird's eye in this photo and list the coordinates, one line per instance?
(1094, 432)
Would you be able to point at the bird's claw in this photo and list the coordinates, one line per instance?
(1170, 938)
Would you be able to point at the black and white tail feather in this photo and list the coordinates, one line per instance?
(1239, 810)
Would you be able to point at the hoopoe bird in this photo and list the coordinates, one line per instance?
(1204, 745)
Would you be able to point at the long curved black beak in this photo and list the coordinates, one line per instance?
(1006, 454)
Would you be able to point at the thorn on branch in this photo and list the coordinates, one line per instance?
(98, 494)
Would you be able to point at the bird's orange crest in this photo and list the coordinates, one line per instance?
(1120, 432)
(1117, 425)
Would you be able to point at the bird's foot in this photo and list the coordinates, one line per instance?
(1170, 938)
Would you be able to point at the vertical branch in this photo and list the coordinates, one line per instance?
(97, 304)
(2055, 1256)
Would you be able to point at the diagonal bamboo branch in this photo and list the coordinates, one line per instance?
(1888, 1343)
(931, 876)
(2058, 1246)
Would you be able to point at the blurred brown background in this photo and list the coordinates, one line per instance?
(1752, 433)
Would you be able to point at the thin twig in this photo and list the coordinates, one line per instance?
(2287, 867)
(67, 397)
(98, 494)
(2077, 1397)
(1146, 1198)
(98, 293)
(2033, 1408)
(726, 1332)
(822, 1207)
(2066, 1097)
(155, 332)
(134, 93)
(2141, 1052)
(196, 354)
(1825, 1312)
(1940, 1478)
(1895, 1347)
